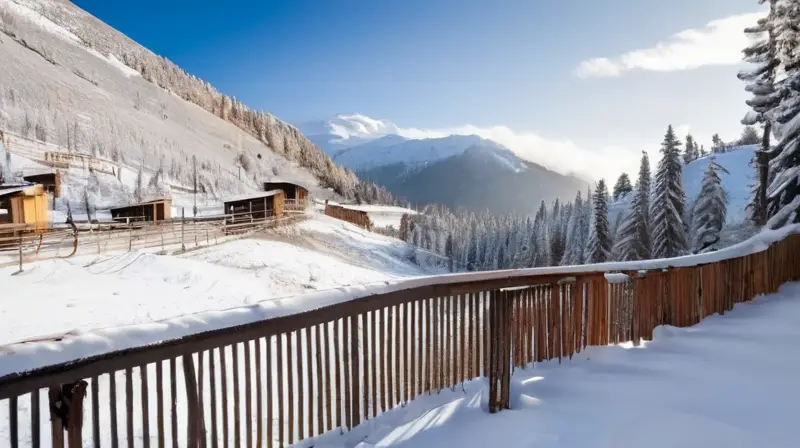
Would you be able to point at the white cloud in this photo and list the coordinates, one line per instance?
(560, 155)
(719, 42)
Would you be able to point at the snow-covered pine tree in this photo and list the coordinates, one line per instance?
(557, 243)
(749, 136)
(760, 79)
(690, 152)
(710, 209)
(669, 202)
(576, 235)
(634, 236)
(717, 145)
(541, 254)
(602, 240)
(783, 201)
(622, 187)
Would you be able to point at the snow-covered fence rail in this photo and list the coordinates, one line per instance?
(260, 377)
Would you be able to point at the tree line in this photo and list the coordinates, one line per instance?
(657, 223)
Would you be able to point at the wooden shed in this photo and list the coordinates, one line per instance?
(24, 205)
(254, 206)
(295, 195)
(151, 211)
(51, 181)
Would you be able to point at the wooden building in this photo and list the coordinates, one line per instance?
(151, 211)
(356, 217)
(51, 181)
(295, 195)
(256, 206)
(25, 204)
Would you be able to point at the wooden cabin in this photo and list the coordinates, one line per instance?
(151, 211)
(295, 195)
(25, 204)
(50, 181)
(254, 206)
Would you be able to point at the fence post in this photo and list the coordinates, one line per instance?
(500, 317)
(20, 252)
(196, 427)
(183, 221)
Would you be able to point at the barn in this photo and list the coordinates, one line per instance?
(25, 204)
(295, 195)
(151, 211)
(247, 208)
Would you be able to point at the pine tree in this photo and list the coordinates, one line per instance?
(448, 251)
(690, 152)
(557, 241)
(576, 234)
(622, 187)
(749, 136)
(783, 201)
(541, 233)
(601, 243)
(717, 145)
(669, 202)
(710, 209)
(634, 241)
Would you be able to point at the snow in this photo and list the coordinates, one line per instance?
(116, 63)
(414, 152)
(382, 252)
(133, 289)
(383, 215)
(729, 381)
(736, 183)
(39, 20)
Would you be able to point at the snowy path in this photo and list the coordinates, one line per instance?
(100, 291)
(730, 381)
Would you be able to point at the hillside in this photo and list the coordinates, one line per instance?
(736, 183)
(70, 79)
(140, 287)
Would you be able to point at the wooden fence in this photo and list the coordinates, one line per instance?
(355, 217)
(23, 244)
(278, 381)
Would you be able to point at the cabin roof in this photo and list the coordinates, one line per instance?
(258, 195)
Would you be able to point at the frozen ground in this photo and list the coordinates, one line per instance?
(728, 382)
(90, 292)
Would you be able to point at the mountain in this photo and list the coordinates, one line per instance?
(456, 170)
(69, 79)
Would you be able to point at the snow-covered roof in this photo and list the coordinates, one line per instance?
(244, 197)
(11, 191)
(286, 181)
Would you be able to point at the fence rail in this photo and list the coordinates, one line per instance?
(278, 381)
(20, 244)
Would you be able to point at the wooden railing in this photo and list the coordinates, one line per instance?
(23, 244)
(274, 382)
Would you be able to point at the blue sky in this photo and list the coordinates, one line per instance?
(447, 64)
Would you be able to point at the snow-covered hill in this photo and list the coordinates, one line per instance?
(736, 183)
(67, 78)
(140, 287)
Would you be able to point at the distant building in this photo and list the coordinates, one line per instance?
(151, 211)
(295, 195)
(25, 204)
(254, 206)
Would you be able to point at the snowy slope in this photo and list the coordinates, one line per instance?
(419, 152)
(76, 92)
(727, 382)
(737, 183)
(89, 292)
